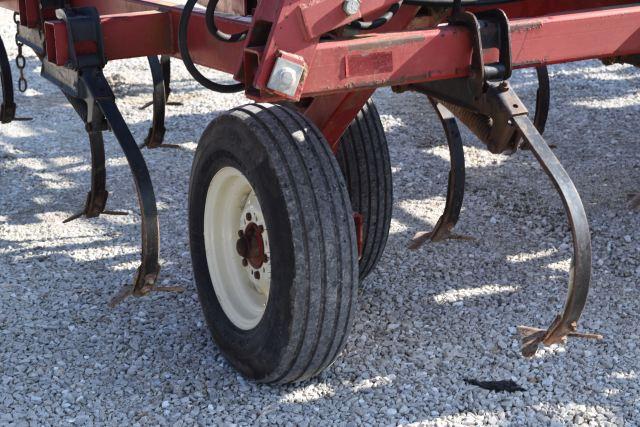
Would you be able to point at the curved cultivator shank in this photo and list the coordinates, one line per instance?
(7, 105)
(326, 58)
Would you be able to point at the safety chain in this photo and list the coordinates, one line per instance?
(21, 62)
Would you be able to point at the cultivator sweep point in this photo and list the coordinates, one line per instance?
(312, 66)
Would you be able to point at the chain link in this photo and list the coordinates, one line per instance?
(21, 61)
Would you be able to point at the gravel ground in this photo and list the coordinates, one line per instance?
(427, 320)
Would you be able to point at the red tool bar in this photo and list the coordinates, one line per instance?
(365, 62)
(155, 38)
(523, 8)
(419, 56)
(145, 33)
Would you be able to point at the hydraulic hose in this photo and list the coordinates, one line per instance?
(378, 22)
(214, 31)
(186, 57)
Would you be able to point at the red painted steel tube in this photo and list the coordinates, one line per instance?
(117, 29)
(442, 53)
(380, 59)
(122, 33)
(393, 58)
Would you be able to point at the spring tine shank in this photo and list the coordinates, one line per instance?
(543, 99)
(7, 105)
(455, 185)
(580, 273)
(157, 131)
(149, 268)
(147, 274)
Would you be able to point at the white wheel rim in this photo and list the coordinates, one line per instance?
(242, 290)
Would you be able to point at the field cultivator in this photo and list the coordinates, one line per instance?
(290, 197)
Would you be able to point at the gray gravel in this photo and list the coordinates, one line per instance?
(427, 320)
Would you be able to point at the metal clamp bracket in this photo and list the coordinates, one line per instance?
(86, 45)
(489, 29)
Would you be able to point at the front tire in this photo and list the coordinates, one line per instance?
(295, 189)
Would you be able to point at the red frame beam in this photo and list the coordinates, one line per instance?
(343, 73)
(386, 59)
(442, 53)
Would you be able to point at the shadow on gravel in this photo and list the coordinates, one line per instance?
(428, 318)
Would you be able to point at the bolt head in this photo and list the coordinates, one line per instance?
(286, 77)
(351, 7)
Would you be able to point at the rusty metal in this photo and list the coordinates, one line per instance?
(250, 245)
(161, 75)
(532, 337)
(455, 184)
(580, 271)
(84, 84)
(96, 202)
(503, 108)
(155, 137)
(496, 115)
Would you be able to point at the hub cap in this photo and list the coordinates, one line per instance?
(237, 247)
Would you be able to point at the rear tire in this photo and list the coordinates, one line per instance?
(312, 253)
(363, 156)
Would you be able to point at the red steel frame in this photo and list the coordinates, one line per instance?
(342, 73)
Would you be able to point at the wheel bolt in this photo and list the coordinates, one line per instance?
(257, 275)
(245, 262)
(248, 216)
(240, 233)
(266, 258)
(261, 228)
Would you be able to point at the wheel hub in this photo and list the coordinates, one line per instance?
(237, 247)
(250, 246)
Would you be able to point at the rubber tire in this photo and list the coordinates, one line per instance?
(304, 200)
(363, 156)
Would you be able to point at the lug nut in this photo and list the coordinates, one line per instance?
(245, 262)
(257, 275)
(240, 233)
(248, 216)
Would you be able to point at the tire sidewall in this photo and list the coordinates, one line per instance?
(229, 142)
